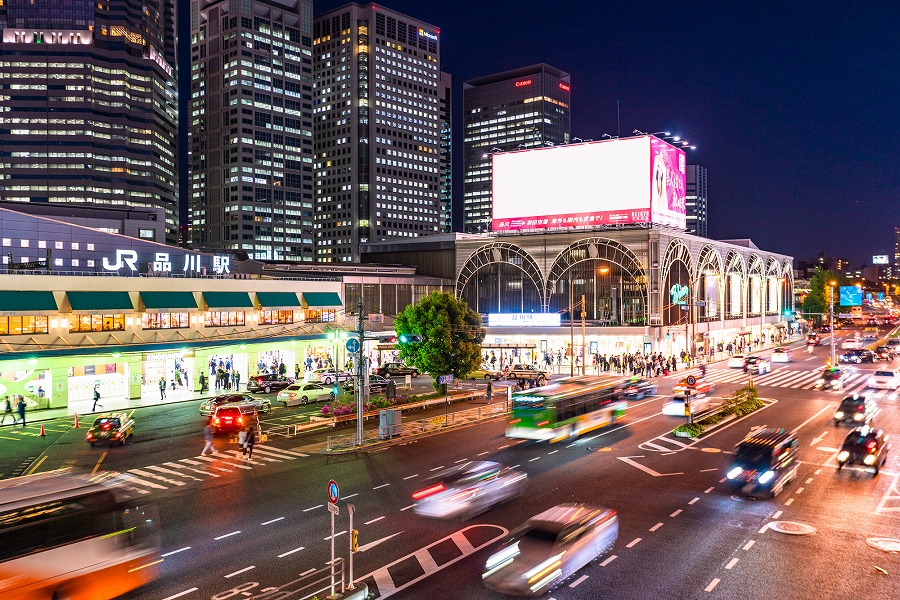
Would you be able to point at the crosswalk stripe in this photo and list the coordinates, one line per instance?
(153, 476)
(188, 461)
(243, 458)
(171, 472)
(224, 462)
(177, 466)
(267, 452)
(137, 480)
(291, 452)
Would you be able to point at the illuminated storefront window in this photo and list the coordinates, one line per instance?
(224, 317)
(276, 317)
(164, 320)
(97, 323)
(320, 316)
(22, 325)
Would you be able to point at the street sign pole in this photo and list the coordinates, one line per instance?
(361, 378)
(350, 509)
(333, 496)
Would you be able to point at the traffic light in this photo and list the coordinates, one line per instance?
(354, 540)
(407, 338)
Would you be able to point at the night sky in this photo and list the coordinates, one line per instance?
(793, 107)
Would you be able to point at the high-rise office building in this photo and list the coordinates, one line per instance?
(696, 205)
(523, 108)
(446, 163)
(896, 248)
(377, 127)
(251, 131)
(89, 109)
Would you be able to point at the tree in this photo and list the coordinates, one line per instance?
(817, 302)
(451, 335)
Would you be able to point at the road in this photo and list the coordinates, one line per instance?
(233, 528)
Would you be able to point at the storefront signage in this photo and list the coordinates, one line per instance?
(427, 34)
(678, 294)
(564, 86)
(163, 262)
(523, 82)
(524, 320)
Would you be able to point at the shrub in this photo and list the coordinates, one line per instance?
(693, 429)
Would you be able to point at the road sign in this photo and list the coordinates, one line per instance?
(445, 378)
(691, 380)
(352, 345)
(334, 492)
(333, 509)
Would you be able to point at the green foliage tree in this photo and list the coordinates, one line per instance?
(451, 336)
(819, 289)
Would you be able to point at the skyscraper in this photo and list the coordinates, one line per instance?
(896, 248)
(90, 104)
(524, 108)
(251, 136)
(446, 150)
(697, 215)
(377, 128)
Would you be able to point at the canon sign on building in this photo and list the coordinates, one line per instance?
(613, 182)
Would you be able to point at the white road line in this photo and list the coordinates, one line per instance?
(407, 508)
(578, 581)
(777, 515)
(548, 454)
(272, 521)
(811, 358)
(338, 534)
(373, 520)
(483, 453)
(712, 585)
(153, 476)
(749, 544)
(789, 502)
(410, 477)
(799, 490)
(817, 471)
(806, 422)
(534, 459)
(633, 543)
(300, 454)
(722, 480)
(436, 468)
(763, 528)
(676, 513)
(350, 496)
(378, 487)
(188, 461)
(693, 501)
(313, 507)
(180, 594)
(708, 470)
(175, 551)
(608, 560)
(655, 527)
(731, 564)
(426, 561)
(138, 481)
(222, 537)
(177, 466)
(709, 489)
(515, 466)
(808, 481)
(289, 552)
(239, 572)
(502, 447)
(456, 462)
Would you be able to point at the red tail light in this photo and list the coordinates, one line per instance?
(89, 436)
(106, 426)
(871, 446)
(428, 491)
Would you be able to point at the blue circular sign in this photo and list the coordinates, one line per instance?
(353, 345)
(333, 492)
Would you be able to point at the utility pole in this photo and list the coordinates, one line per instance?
(572, 325)
(361, 378)
(831, 285)
(583, 350)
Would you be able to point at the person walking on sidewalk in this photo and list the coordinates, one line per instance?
(249, 440)
(162, 389)
(7, 411)
(21, 407)
(96, 398)
(489, 392)
(202, 382)
(208, 448)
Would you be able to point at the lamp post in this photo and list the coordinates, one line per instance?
(831, 285)
(572, 323)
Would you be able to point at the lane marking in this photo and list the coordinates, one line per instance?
(289, 552)
(731, 564)
(548, 454)
(374, 520)
(515, 466)
(502, 447)
(806, 422)
(483, 453)
(709, 489)
(763, 528)
(808, 481)
(648, 470)
(708, 470)
(633, 543)
(407, 508)
(723, 480)
(338, 534)
(789, 502)
(776, 515)
(693, 501)
(230, 575)
(410, 477)
(350, 496)
(35, 467)
(313, 507)
(749, 544)
(222, 537)
(578, 581)
(655, 527)
(177, 466)
(371, 545)
(272, 521)
(817, 471)
(534, 459)
(608, 560)
(175, 551)
(436, 468)
(799, 490)
(378, 487)
(426, 561)
(676, 513)
(456, 462)
(97, 466)
(712, 585)
(180, 594)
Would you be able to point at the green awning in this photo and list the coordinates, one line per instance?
(97, 301)
(27, 302)
(228, 299)
(322, 300)
(169, 300)
(278, 299)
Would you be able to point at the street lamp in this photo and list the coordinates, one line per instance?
(831, 285)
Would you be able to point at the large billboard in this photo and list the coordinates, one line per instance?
(623, 181)
(880, 259)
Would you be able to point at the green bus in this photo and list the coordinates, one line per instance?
(566, 408)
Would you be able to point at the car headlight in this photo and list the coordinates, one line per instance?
(859, 417)
(501, 559)
(734, 472)
(869, 459)
(820, 381)
(843, 455)
(839, 415)
(766, 477)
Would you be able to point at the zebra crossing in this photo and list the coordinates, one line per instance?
(804, 379)
(178, 473)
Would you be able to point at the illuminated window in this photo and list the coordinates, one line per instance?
(276, 317)
(165, 320)
(224, 318)
(97, 323)
(23, 325)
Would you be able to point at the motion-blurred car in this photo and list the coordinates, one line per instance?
(232, 418)
(857, 356)
(781, 355)
(396, 369)
(207, 407)
(856, 410)
(637, 388)
(736, 361)
(813, 339)
(832, 378)
(886, 353)
(268, 383)
(485, 372)
(113, 428)
(884, 380)
(528, 372)
(549, 548)
(300, 394)
(377, 384)
(756, 365)
(764, 462)
(824, 329)
(327, 376)
(469, 489)
(866, 447)
(851, 344)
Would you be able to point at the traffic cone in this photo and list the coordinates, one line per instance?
(76, 420)
(42, 430)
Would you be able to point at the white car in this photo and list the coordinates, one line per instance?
(327, 376)
(467, 490)
(675, 408)
(851, 344)
(781, 355)
(304, 393)
(736, 361)
(884, 380)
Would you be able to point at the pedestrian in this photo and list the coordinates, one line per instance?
(489, 392)
(162, 389)
(242, 439)
(296, 370)
(21, 407)
(8, 411)
(237, 380)
(202, 382)
(208, 448)
(96, 398)
(249, 441)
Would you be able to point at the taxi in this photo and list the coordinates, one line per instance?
(111, 428)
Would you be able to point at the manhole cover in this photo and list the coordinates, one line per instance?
(792, 528)
(885, 544)
(712, 450)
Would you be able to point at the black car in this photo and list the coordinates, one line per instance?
(208, 407)
(377, 384)
(112, 428)
(832, 378)
(865, 447)
(885, 353)
(268, 382)
(637, 389)
(764, 462)
(396, 369)
(858, 356)
(856, 410)
(824, 329)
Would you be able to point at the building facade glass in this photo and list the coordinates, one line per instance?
(697, 217)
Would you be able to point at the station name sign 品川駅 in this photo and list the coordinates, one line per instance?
(164, 262)
(524, 320)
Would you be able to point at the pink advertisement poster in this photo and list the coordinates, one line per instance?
(668, 203)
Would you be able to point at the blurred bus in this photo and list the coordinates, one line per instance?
(74, 538)
(566, 408)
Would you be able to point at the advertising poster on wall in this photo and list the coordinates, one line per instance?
(668, 198)
(679, 295)
(755, 293)
(734, 281)
(711, 295)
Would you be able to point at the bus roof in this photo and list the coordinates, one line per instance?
(45, 487)
(571, 386)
